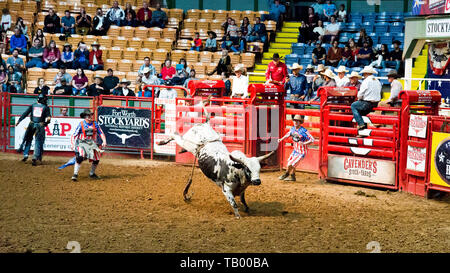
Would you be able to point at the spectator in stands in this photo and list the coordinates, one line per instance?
(239, 87)
(381, 55)
(334, 54)
(144, 15)
(328, 77)
(276, 71)
(318, 31)
(341, 79)
(115, 14)
(67, 23)
(95, 57)
(304, 33)
(159, 17)
(35, 55)
(79, 83)
(232, 30)
(342, 14)
(123, 89)
(67, 56)
(329, 10)
(395, 57)
(318, 81)
(297, 84)
(347, 59)
(312, 18)
(3, 79)
(223, 65)
(276, 13)
(211, 42)
(148, 65)
(192, 77)
(42, 88)
(319, 54)
(246, 27)
(129, 21)
(168, 71)
(226, 80)
(65, 88)
(259, 32)
(147, 79)
(226, 24)
(396, 87)
(100, 25)
(368, 96)
(182, 72)
(15, 61)
(81, 56)
(51, 56)
(354, 78)
(319, 9)
(51, 22)
(129, 10)
(14, 83)
(39, 34)
(240, 44)
(6, 20)
(4, 42)
(62, 76)
(364, 37)
(110, 82)
(309, 74)
(20, 24)
(19, 42)
(355, 49)
(63, 111)
(84, 22)
(197, 42)
(227, 43)
(331, 30)
(364, 55)
(96, 89)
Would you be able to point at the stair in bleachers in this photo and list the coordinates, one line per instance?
(282, 45)
(420, 68)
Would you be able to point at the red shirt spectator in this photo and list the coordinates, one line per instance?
(98, 54)
(198, 42)
(144, 14)
(168, 70)
(276, 70)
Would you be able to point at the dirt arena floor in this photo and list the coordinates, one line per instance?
(137, 206)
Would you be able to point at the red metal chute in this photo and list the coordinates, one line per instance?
(205, 88)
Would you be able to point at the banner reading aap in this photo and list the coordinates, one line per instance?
(125, 127)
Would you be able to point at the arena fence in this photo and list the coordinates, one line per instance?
(398, 151)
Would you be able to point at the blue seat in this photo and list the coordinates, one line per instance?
(381, 27)
(309, 49)
(344, 39)
(368, 26)
(356, 69)
(397, 17)
(386, 38)
(352, 27)
(369, 17)
(355, 17)
(396, 27)
(383, 17)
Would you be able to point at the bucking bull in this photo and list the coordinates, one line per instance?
(232, 172)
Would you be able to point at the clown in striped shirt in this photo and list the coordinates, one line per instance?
(301, 138)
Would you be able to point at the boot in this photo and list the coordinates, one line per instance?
(33, 162)
(74, 177)
(283, 176)
(290, 178)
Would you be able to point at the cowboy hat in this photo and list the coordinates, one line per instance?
(145, 70)
(368, 70)
(239, 68)
(296, 66)
(354, 74)
(299, 118)
(310, 67)
(124, 80)
(341, 69)
(95, 43)
(213, 33)
(320, 68)
(393, 73)
(276, 56)
(328, 73)
(85, 113)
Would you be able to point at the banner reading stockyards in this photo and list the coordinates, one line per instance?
(125, 127)
(427, 7)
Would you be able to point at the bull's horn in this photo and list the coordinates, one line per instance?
(264, 157)
(237, 160)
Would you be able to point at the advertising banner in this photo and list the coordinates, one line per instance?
(440, 159)
(416, 159)
(57, 133)
(418, 126)
(361, 169)
(125, 127)
(428, 7)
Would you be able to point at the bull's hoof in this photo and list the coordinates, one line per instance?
(238, 217)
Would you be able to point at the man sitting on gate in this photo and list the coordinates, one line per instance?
(368, 96)
(301, 138)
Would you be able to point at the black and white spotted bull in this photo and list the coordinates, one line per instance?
(232, 172)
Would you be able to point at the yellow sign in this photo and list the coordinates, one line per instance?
(440, 160)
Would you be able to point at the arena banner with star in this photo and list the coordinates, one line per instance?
(438, 68)
(440, 159)
(428, 7)
(57, 133)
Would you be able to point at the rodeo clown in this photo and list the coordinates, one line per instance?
(301, 138)
(83, 142)
(39, 118)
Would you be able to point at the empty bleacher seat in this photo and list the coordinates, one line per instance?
(396, 27)
(386, 38)
(381, 27)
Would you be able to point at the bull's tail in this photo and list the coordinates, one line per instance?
(188, 185)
